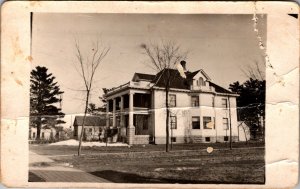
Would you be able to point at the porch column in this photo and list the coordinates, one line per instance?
(131, 109)
(107, 113)
(131, 128)
(122, 111)
(114, 112)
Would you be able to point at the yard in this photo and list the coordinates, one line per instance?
(187, 163)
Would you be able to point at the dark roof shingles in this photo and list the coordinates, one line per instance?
(177, 81)
(220, 89)
(90, 121)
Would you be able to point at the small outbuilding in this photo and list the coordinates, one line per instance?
(243, 131)
(93, 127)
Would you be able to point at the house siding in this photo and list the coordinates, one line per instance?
(184, 113)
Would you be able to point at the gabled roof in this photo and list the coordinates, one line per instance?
(90, 121)
(205, 75)
(142, 76)
(179, 82)
(191, 75)
(219, 89)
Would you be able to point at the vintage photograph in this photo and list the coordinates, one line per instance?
(147, 98)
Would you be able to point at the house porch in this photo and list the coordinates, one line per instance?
(130, 113)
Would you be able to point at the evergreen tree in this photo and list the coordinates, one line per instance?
(251, 103)
(44, 97)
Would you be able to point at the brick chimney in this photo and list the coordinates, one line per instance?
(183, 64)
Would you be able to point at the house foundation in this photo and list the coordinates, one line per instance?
(130, 135)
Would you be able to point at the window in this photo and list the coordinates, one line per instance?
(33, 135)
(172, 100)
(201, 81)
(225, 123)
(195, 101)
(140, 122)
(206, 121)
(145, 122)
(173, 121)
(213, 101)
(43, 135)
(173, 139)
(224, 103)
(225, 138)
(207, 139)
(196, 122)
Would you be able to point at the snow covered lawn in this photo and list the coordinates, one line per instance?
(73, 142)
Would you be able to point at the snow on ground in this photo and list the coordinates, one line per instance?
(73, 142)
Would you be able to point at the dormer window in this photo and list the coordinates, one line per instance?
(201, 82)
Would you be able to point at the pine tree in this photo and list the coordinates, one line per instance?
(44, 97)
(251, 103)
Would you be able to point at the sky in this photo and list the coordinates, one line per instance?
(221, 45)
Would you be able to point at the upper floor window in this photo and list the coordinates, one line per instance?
(201, 81)
(172, 100)
(195, 101)
(173, 122)
(213, 101)
(224, 103)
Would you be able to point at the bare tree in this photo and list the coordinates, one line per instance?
(164, 57)
(88, 67)
(254, 71)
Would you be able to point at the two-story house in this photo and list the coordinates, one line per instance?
(200, 110)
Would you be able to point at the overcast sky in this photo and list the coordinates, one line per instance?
(219, 44)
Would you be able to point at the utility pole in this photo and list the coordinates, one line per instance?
(230, 130)
(171, 137)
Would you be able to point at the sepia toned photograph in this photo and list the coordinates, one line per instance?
(147, 98)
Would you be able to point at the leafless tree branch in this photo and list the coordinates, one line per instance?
(88, 69)
(163, 57)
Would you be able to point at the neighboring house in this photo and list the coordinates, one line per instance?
(92, 126)
(201, 111)
(46, 133)
(243, 131)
